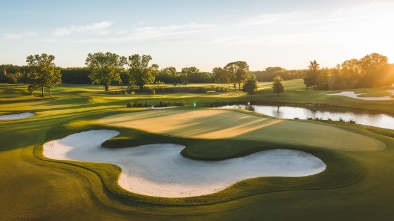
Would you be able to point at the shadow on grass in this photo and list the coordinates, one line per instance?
(341, 170)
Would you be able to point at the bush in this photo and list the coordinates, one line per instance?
(137, 104)
(160, 104)
(168, 90)
(130, 104)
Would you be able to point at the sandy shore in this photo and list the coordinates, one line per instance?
(16, 116)
(160, 170)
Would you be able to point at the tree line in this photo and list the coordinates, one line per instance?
(373, 70)
(109, 68)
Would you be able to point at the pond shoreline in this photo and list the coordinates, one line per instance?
(311, 106)
(363, 117)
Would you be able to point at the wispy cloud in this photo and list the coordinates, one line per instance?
(31, 34)
(12, 36)
(172, 29)
(95, 28)
(362, 9)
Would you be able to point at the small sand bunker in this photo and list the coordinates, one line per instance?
(16, 116)
(351, 94)
(160, 170)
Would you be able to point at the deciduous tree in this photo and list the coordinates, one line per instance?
(42, 73)
(250, 85)
(372, 66)
(238, 72)
(277, 86)
(311, 75)
(220, 75)
(140, 73)
(105, 68)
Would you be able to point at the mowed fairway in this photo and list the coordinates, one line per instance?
(356, 185)
(221, 124)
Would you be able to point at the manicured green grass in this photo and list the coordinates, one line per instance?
(355, 186)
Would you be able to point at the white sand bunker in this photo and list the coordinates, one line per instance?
(16, 116)
(351, 94)
(160, 169)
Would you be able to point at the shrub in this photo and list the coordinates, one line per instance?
(137, 104)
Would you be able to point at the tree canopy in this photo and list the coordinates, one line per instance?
(250, 85)
(238, 72)
(140, 73)
(311, 75)
(42, 73)
(190, 70)
(372, 70)
(105, 68)
(277, 86)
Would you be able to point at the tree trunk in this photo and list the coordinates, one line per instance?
(42, 91)
(239, 86)
(49, 90)
(141, 87)
(106, 86)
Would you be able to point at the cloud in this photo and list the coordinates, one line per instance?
(12, 36)
(31, 34)
(95, 28)
(172, 29)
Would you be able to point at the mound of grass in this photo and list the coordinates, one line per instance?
(341, 170)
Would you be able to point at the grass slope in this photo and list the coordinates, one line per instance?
(358, 187)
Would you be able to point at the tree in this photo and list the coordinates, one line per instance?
(220, 75)
(190, 70)
(238, 72)
(372, 66)
(277, 85)
(351, 72)
(250, 85)
(140, 73)
(42, 73)
(105, 68)
(322, 80)
(311, 75)
(335, 79)
(169, 70)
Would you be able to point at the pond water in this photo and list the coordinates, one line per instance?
(375, 120)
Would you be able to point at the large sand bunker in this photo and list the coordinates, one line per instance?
(160, 169)
(220, 124)
(351, 94)
(16, 116)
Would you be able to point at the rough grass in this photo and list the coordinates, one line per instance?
(359, 188)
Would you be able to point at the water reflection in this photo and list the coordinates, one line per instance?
(376, 120)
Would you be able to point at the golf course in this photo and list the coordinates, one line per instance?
(82, 154)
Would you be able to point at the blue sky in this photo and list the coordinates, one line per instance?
(204, 34)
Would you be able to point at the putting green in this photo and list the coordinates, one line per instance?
(224, 124)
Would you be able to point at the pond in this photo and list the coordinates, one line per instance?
(375, 120)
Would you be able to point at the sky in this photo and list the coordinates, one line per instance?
(200, 33)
